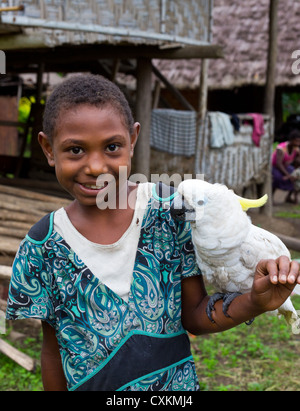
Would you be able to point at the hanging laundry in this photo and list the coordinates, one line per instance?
(173, 131)
(222, 132)
(258, 128)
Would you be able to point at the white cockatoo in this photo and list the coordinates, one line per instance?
(227, 245)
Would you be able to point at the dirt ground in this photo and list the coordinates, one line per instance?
(285, 226)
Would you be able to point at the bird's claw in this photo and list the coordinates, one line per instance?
(211, 304)
(227, 300)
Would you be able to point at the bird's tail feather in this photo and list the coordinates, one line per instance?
(289, 312)
(297, 290)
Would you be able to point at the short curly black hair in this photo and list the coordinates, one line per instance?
(87, 89)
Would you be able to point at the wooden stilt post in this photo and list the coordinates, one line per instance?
(38, 158)
(202, 109)
(272, 59)
(143, 115)
(270, 94)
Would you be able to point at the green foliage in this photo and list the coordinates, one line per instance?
(292, 212)
(24, 108)
(15, 378)
(291, 104)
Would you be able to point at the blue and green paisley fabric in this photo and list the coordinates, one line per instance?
(105, 342)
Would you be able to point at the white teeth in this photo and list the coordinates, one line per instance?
(94, 187)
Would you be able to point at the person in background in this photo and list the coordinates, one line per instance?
(296, 175)
(282, 163)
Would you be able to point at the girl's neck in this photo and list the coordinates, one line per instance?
(103, 226)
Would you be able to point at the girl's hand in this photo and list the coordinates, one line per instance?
(274, 282)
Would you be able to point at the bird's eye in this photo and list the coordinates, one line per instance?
(201, 203)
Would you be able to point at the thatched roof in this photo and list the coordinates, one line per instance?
(241, 27)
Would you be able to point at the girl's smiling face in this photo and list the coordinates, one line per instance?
(89, 142)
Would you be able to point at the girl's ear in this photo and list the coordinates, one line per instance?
(134, 136)
(47, 148)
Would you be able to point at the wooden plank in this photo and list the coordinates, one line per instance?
(29, 186)
(13, 232)
(290, 242)
(24, 217)
(12, 8)
(88, 53)
(12, 123)
(9, 246)
(5, 272)
(3, 305)
(19, 357)
(18, 207)
(14, 202)
(176, 93)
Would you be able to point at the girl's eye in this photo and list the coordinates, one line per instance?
(112, 148)
(76, 150)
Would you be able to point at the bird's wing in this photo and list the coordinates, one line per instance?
(261, 244)
(258, 245)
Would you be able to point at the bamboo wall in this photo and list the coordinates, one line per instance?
(237, 166)
(240, 164)
(9, 135)
(189, 18)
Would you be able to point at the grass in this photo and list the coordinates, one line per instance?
(262, 357)
(288, 214)
(293, 213)
(15, 378)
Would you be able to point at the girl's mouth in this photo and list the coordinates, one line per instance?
(94, 187)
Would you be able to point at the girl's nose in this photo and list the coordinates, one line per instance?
(96, 165)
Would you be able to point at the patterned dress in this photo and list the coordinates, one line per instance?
(107, 344)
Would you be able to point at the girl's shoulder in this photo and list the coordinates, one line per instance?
(42, 230)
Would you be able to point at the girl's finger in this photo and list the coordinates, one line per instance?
(273, 270)
(294, 274)
(284, 266)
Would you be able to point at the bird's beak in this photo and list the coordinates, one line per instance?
(247, 204)
(181, 211)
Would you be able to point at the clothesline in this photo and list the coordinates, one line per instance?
(175, 131)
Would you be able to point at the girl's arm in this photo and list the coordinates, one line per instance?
(273, 283)
(52, 371)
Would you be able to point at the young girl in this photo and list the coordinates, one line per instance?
(117, 287)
